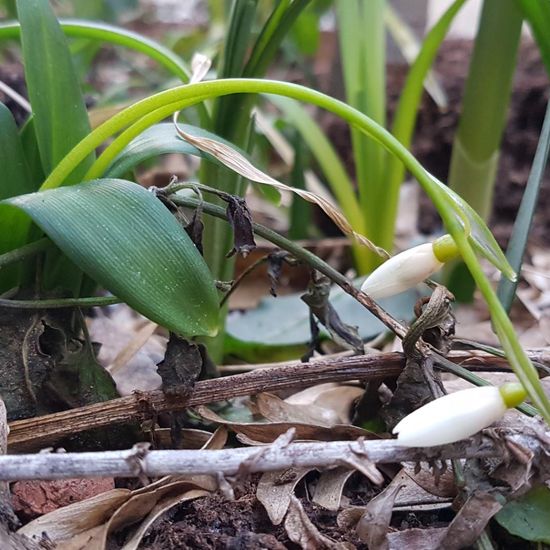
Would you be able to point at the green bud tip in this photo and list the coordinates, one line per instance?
(445, 249)
(512, 394)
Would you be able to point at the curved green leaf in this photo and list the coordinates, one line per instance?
(113, 35)
(537, 14)
(60, 117)
(124, 237)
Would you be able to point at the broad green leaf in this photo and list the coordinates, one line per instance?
(528, 517)
(284, 321)
(124, 237)
(15, 180)
(60, 117)
(480, 236)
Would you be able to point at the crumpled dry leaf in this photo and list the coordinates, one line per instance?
(276, 410)
(329, 488)
(255, 433)
(242, 166)
(317, 299)
(337, 398)
(275, 490)
(240, 219)
(373, 525)
(116, 330)
(87, 525)
(444, 487)
(301, 530)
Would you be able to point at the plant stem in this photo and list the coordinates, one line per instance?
(60, 303)
(24, 252)
(305, 255)
(184, 96)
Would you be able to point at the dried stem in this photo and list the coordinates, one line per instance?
(138, 462)
(39, 432)
(35, 433)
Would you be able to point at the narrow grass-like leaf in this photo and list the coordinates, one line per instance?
(407, 109)
(524, 220)
(537, 14)
(124, 237)
(60, 116)
(15, 179)
(113, 35)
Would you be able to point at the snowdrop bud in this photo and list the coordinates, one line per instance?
(410, 267)
(458, 415)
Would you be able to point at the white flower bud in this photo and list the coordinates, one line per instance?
(409, 268)
(457, 416)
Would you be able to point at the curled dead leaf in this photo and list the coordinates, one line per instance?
(237, 162)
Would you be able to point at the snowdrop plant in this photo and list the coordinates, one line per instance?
(409, 268)
(458, 415)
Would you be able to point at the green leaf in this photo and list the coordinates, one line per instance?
(524, 219)
(15, 180)
(537, 14)
(480, 236)
(284, 321)
(123, 236)
(60, 116)
(527, 517)
(160, 139)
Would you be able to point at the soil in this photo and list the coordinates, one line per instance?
(217, 523)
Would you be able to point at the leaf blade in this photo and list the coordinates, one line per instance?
(60, 116)
(123, 237)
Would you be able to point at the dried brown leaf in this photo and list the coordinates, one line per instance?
(158, 510)
(301, 530)
(425, 539)
(242, 166)
(329, 488)
(340, 400)
(275, 490)
(259, 432)
(70, 521)
(276, 410)
(445, 486)
(373, 526)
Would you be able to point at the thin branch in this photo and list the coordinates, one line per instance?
(138, 462)
(306, 256)
(39, 432)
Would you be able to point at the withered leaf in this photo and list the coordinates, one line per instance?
(275, 490)
(328, 492)
(317, 299)
(240, 219)
(274, 268)
(195, 228)
(180, 367)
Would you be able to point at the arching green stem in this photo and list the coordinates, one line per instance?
(184, 96)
